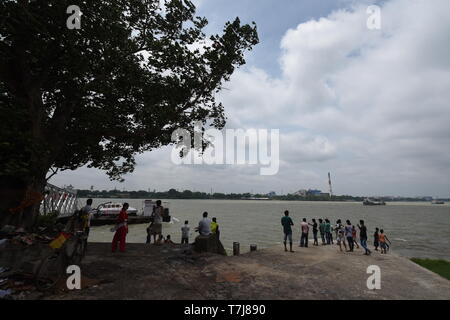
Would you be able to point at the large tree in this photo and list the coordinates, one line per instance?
(134, 72)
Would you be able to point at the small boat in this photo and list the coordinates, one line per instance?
(373, 202)
(111, 209)
(437, 202)
(106, 213)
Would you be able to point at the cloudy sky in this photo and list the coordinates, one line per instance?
(370, 106)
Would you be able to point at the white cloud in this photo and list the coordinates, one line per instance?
(372, 106)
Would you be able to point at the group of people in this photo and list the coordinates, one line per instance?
(205, 228)
(344, 234)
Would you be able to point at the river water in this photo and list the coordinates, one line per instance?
(416, 229)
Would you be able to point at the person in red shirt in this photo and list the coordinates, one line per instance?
(121, 229)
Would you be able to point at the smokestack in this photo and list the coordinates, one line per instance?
(329, 183)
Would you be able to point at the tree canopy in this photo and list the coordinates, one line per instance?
(135, 71)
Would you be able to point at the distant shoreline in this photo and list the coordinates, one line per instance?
(189, 195)
(262, 200)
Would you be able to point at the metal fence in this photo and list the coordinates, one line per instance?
(63, 201)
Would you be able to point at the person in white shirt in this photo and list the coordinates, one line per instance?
(204, 226)
(156, 227)
(86, 214)
(185, 233)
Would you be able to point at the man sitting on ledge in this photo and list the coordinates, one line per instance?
(207, 241)
(204, 226)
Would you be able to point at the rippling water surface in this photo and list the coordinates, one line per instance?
(415, 229)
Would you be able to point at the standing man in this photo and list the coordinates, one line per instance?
(363, 237)
(304, 230)
(121, 229)
(340, 234)
(315, 230)
(185, 233)
(355, 237)
(86, 213)
(156, 228)
(376, 239)
(204, 226)
(349, 235)
(322, 230)
(215, 227)
(328, 234)
(286, 222)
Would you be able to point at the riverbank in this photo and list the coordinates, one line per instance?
(258, 222)
(441, 267)
(172, 272)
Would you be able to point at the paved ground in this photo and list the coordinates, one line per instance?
(166, 272)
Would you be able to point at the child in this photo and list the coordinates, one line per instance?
(383, 239)
(168, 240)
(376, 239)
(185, 233)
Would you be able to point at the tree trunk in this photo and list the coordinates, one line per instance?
(21, 200)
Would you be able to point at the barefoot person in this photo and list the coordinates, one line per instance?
(383, 241)
(340, 238)
(304, 229)
(376, 239)
(322, 230)
(363, 237)
(121, 230)
(349, 235)
(328, 231)
(156, 226)
(185, 233)
(315, 231)
(354, 236)
(286, 222)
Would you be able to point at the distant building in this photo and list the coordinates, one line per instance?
(271, 194)
(301, 193)
(313, 192)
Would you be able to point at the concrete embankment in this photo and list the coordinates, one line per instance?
(169, 272)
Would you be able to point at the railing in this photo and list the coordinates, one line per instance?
(63, 201)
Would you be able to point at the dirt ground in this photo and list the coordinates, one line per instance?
(172, 272)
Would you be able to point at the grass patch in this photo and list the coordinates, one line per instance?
(441, 267)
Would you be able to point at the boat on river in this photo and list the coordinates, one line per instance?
(373, 202)
(107, 213)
